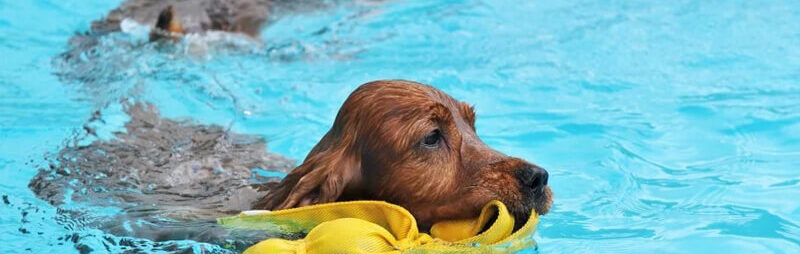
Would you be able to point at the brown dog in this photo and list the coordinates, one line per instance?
(412, 145)
(397, 141)
(171, 19)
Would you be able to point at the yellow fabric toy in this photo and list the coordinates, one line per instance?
(380, 227)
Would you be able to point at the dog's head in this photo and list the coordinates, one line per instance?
(412, 145)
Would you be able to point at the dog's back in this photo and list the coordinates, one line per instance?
(169, 179)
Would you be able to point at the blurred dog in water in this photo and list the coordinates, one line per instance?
(172, 19)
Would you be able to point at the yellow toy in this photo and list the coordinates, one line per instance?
(380, 227)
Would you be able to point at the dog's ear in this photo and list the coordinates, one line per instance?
(329, 168)
(167, 25)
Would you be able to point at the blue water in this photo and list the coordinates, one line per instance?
(669, 126)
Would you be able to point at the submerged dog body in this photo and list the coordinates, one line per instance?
(415, 146)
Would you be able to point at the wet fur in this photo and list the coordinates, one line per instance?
(373, 152)
(173, 18)
(196, 16)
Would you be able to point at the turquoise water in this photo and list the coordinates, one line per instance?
(668, 127)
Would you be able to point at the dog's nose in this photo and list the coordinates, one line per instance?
(533, 177)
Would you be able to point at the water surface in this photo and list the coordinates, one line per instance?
(666, 127)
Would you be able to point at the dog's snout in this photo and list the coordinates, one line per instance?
(531, 176)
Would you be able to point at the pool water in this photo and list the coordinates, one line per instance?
(669, 127)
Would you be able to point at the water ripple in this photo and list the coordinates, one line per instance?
(666, 126)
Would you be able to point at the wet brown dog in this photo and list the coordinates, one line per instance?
(174, 18)
(397, 141)
(413, 145)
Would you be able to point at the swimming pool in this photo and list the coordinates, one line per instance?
(666, 127)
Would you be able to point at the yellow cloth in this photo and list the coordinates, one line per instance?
(380, 227)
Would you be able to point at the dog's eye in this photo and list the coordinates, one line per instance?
(432, 139)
